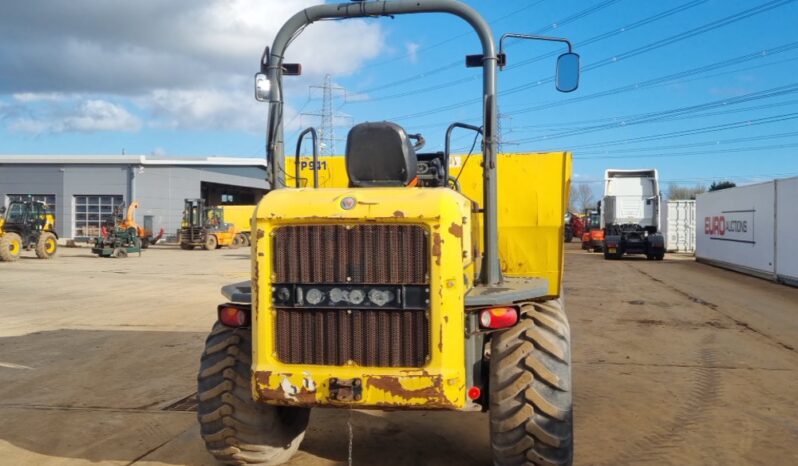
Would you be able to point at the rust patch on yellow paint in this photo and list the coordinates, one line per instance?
(261, 233)
(433, 394)
(303, 396)
(399, 214)
(440, 339)
(456, 230)
(436, 247)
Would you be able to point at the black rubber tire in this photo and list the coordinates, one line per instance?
(659, 256)
(186, 246)
(211, 243)
(47, 245)
(531, 418)
(239, 240)
(9, 253)
(597, 249)
(235, 428)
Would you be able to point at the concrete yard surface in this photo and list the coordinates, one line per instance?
(674, 363)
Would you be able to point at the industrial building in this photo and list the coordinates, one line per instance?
(83, 191)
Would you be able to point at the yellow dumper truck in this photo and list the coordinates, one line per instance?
(424, 281)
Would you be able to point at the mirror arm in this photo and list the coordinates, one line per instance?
(513, 35)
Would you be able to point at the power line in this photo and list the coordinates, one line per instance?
(577, 45)
(714, 142)
(688, 132)
(454, 64)
(327, 115)
(762, 54)
(694, 153)
(450, 39)
(665, 114)
(662, 80)
(616, 58)
(703, 179)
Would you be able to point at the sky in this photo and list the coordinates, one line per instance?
(702, 90)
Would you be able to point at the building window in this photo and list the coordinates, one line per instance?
(47, 199)
(92, 211)
(228, 199)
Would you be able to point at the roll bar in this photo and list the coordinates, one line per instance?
(491, 273)
(314, 137)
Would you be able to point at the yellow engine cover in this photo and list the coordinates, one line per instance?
(445, 217)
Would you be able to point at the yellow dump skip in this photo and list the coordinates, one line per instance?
(240, 216)
(533, 196)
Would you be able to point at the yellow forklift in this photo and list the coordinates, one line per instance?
(27, 225)
(204, 227)
(399, 290)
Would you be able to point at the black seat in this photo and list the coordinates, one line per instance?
(380, 154)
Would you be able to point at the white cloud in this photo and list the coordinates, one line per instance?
(183, 64)
(86, 117)
(412, 51)
(204, 109)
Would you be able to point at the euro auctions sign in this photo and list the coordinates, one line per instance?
(731, 225)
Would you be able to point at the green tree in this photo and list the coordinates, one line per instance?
(718, 185)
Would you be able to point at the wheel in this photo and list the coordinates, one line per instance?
(531, 419)
(659, 256)
(186, 246)
(210, 243)
(597, 249)
(235, 428)
(10, 247)
(119, 253)
(613, 256)
(240, 240)
(247, 241)
(46, 246)
(145, 243)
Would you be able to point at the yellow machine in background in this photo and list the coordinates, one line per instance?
(27, 225)
(533, 196)
(240, 216)
(205, 226)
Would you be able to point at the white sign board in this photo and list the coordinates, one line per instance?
(736, 226)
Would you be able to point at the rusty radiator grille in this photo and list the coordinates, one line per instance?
(377, 338)
(364, 254)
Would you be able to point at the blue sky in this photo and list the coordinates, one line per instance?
(700, 89)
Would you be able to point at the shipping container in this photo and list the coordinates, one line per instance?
(787, 230)
(737, 228)
(678, 226)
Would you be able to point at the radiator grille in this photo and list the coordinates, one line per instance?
(354, 255)
(364, 254)
(374, 338)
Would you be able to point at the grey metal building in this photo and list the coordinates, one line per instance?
(84, 190)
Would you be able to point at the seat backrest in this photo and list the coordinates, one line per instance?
(379, 154)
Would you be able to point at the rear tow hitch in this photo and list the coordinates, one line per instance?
(346, 389)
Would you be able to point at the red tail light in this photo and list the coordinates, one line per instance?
(498, 317)
(474, 393)
(234, 316)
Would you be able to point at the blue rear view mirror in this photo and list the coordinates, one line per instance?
(567, 72)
